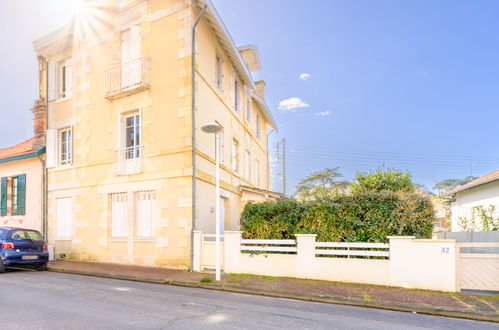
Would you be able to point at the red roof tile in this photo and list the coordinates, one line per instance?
(481, 180)
(22, 148)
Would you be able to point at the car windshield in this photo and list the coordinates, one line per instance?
(31, 235)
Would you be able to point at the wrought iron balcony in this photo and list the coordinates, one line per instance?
(129, 160)
(129, 78)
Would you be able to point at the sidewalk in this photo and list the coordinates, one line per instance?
(485, 308)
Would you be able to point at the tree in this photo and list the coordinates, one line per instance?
(321, 185)
(444, 186)
(383, 179)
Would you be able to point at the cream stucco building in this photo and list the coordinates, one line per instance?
(117, 82)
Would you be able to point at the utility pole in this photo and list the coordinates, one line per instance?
(284, 166)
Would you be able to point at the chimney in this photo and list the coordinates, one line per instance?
(260, 88)
(39, 109)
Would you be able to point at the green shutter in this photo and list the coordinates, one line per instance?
(3, 192)
(21, 194)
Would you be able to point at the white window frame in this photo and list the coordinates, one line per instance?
(219, 73)
(63, 79)
(235, 155)
(247, 165)
(66, 158)
(237, 95)
(248, 110)
(133, 151)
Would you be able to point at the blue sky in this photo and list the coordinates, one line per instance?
(406, 84)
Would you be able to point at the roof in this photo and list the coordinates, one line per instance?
(493, 176)
(260, 191)
(20, 151)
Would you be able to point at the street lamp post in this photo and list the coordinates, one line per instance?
(216, 129)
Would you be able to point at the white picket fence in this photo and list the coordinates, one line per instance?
(329, 249)
(269, 245)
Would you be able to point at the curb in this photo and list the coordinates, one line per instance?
(336, 301)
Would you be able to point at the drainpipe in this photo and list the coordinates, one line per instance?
(45, 169)
(193, 130)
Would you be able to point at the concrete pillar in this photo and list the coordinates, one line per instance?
(232, 250)
(305, 256)
(198, 251)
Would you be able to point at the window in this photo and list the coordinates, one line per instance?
(247, 165)
(64, 218)
(145, 203)
(257, 172)
(248, 111)
(66, 147)
(64, 73)
(13, 195)
(219, 73)
(131, 72)
(235, 155)
(119, 215)
(132, 136)
(222, 144)
(62, 79)
(237, 96)
(258, 129)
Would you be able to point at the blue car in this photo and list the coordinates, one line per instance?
(22, 247)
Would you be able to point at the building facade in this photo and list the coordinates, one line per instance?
(21, 188)
(474, 201)
(118, 88)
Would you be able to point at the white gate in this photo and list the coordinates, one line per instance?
(479, 266)
(208, 251)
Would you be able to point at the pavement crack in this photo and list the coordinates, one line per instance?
(172, 322)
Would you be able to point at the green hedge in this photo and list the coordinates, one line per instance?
(363, 217)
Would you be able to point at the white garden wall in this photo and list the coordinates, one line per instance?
(412, 263)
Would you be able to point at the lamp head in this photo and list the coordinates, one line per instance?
(211, 128)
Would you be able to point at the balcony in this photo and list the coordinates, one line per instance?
(129, 78)
(129, 160)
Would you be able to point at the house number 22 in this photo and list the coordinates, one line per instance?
(445, 250)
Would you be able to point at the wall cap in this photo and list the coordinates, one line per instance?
(424, 240)
(306, 235)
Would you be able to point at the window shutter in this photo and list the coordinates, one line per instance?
(64, 218)
(223, 76)
(135, 42)
(51, 82)
(21, 194)
(51, 152)
(69, 78)
(3, 204)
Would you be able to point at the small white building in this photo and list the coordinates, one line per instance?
(470, 200)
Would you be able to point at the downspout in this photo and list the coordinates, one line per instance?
(193, 130)
(45, 169)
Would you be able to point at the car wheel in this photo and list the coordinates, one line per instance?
(41, 266)
(2, 266)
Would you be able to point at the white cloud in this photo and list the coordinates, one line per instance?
(323, 113)
(305, 76)
(292, 104)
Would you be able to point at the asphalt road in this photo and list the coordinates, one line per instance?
(45, 300)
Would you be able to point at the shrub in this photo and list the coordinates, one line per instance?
(361, 217)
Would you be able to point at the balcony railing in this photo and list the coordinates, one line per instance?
(129, 160)
(128, 78)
